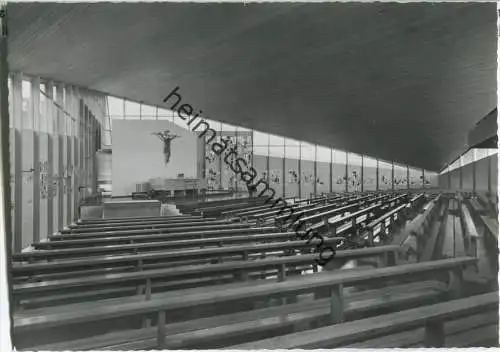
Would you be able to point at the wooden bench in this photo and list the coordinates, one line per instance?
(189, 207)
(218, 253)
(477, 330)
(241, 211)
(431, 317)
(222, 330)
(469, 230)
(143, 226)
(276, 208)
(325, 212)
(453, 243)
(217, 210)
(182, 228)
(140, 222)
(237, 271)
(334, 281)
(351, 220)
(383, 222)
(136, 247)
(134, 219)
(210, 240)
(491, 226)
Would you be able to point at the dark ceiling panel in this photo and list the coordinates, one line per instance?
(402, 82)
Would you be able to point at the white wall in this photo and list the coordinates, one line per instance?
(138, 155)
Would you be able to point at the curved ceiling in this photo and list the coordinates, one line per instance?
(402, 82)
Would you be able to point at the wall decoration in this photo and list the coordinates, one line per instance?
(166, 137)
(293, 177)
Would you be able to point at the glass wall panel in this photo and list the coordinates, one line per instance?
(323, 154)
(26, 106)
(455, 179)
(430, 179)
(339, 176)
(276, 140)
(228, 175)
(148, 112)
(213, 168)
(132, 110)
(384, 175)
(415, 178)
(215, 125)
(307, 151)
(277, 151)
(260, 138)
(481, 153)
(369, 174)
(164, 114)
(260, 150)
(292, 177)
(323, 177)
(244, 145)
(115, 106)
(468, 157)
(494, 172)
(482, 174)
(292, 149)
(307, 181)
(354, 172)
(307, 154)
(400, 177)
(468, 177)
(276, 175)
(260, 165)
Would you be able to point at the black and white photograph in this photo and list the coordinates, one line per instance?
(248, 175)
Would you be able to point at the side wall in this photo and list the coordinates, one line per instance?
(479, 176)
(55, 131)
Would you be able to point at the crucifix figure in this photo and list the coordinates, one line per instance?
(166, 137)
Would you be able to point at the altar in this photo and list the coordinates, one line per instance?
(131, 208)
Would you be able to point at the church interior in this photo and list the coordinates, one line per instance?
(250, 176)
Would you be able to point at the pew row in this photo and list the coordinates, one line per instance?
(161, 304)
(143, 282)
(180, 228)
(431, 317)
(141, 260)
(225, 329)
(144, 225)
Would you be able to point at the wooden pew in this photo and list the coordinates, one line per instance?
(384, 222)
(131, 247)
(29, 322)
(207, 208)
(325, 212)
(431, 317)
(134, 219)
(301, 209)
(239, 212)
(222, 330)
(453, 243)
(189, 207)
(182, 228)
(235, 271)
(212, 239)
(334, 227)
(218, 210)
(218, 253)
(470, 231)
(491, 226)
(144, 226)
(190, 219)
(436, 230)
(262, 212)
